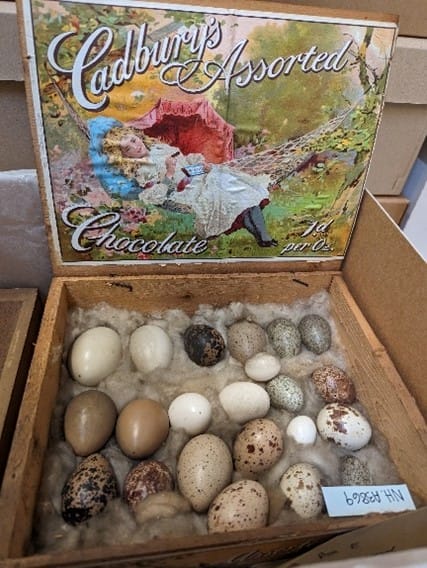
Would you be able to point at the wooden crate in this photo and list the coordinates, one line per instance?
(20, 314)
(380, 389)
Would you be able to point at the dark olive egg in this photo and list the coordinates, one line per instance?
(88, 490)
(315, 333)
(204, 345)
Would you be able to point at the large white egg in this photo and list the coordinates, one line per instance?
(191, 412)
(243, 401)
(150, 348)
(94, 355)
(302, 429)
(262, 366)
(344, 425)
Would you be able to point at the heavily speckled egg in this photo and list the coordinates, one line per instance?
(242, 505)
(285, 393)
(262, 367)
(245, 339)
(285, 337)
(146, 478)
(334, 385)
(141, 428)
(191, 412)
(88, 490)
(344, 425)
(89, 421)
(301, 485)
(243, 401)
(315, 333)
(302, 429)
(354, 472)
(204, 345)
(204, 468)
(258, 446)
(94, 355)
(150, 348)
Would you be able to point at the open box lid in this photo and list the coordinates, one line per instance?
(177, 134)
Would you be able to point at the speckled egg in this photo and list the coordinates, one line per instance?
(301, 485)
(284, 337)
(204, 345)
(89, 421)
(88, 490)
(354, 472)
(258, 446)
(204, 468)
(285, 393)
(262, 366)
(244, 339)
(243, 401)
(344, 425)
(146, 478)
(315, 333)
(94, 355)
(242, 505)
(333, 384)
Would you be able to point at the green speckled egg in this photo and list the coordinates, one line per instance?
(88, 490)
(315, 333)
(204, 345)
(284, 337)
(354, 472)
(285, 393)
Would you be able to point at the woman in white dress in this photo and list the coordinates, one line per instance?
(222, 198)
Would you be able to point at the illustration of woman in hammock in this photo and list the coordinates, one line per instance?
(134, 166)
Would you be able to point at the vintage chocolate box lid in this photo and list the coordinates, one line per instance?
(170, 134)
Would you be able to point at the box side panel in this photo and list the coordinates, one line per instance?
(388, 280)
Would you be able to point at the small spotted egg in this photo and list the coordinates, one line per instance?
(315, 333)
(150, 348)
(334, 385)
(344, 425)
(146, 478)
(243, 401)
(262, 367)
(242, 505)
(88, 490)
(301, 485)
(302, 429)
(285, 393)
(191, 412)
(245, 339)
(94, 355)
(258, 446)
(204, 345)
(285, 337)
(204, 468)
(354, 472)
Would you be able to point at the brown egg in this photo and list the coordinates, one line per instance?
(258, 446)
(245, 339)
(142, 427)
(334, 385)
(146, 478)
(89, 421)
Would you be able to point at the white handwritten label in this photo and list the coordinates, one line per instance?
(352, 500)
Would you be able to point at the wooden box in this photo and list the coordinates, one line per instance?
(20, 315)
(377, 326)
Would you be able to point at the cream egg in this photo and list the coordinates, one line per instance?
(258, 446)
(243, 401)
(242, 505)
(89, 421)
(344, 425)
(302, 429)
(150, 348)
(141, 428)
(204, 468)
(191, 412)
(301, 485)
(262, 367)
(94, 355)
